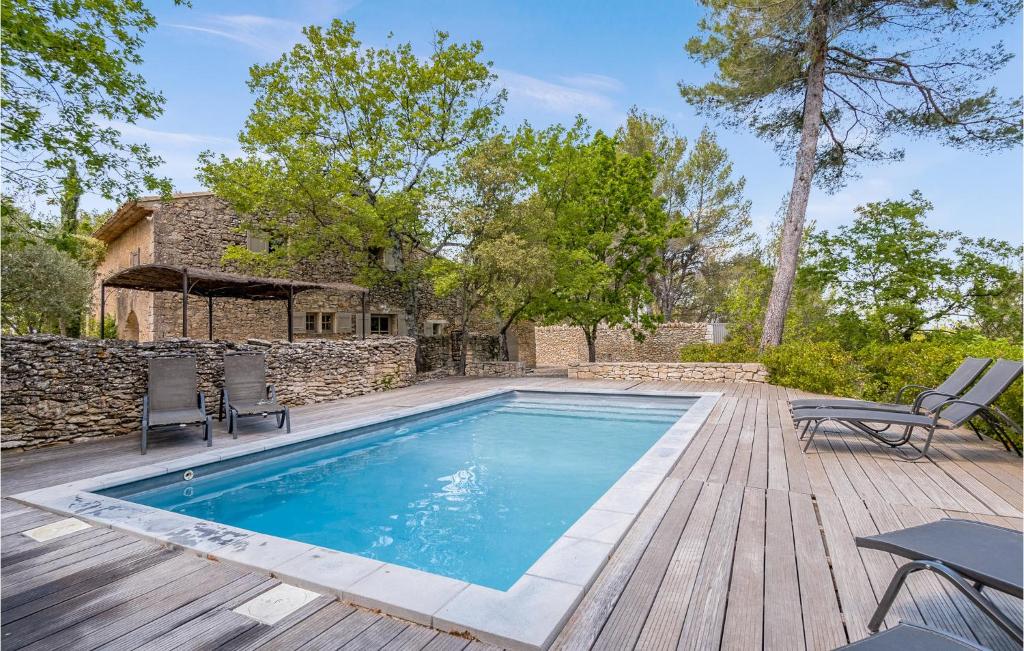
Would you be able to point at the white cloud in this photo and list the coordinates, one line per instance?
(578, 94)
(594, 81)
(181, 139)
(268, 35)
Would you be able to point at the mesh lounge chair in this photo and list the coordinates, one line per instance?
(952, 413)
(927, 398)
(971, 555)
(911, 637)
(173, 397)
(246, 392)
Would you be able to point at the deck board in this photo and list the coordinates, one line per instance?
(748, 544)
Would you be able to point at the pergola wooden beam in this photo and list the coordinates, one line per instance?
(210, 283)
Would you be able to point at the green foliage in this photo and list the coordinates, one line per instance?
(346, 150)
(873, 86)
(605, 229)
(901, 277)
(708, 217)
(817, 366)
(68, 80)
(732, 350)
(44, 288)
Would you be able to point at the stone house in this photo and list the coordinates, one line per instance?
(194, 230)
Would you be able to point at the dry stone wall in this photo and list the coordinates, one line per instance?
(495, 369)
(563, 345)
(59, 389)
(678, 371)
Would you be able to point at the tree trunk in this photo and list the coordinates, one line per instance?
(591, 337)
(465, 334)
(793, 226)
(411, 325)
(503, 343)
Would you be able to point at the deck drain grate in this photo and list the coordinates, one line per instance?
(56, 529)
(277, 603)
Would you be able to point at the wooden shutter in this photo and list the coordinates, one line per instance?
(298, 322)
(256, 244)
(343, 323)
(400, 328)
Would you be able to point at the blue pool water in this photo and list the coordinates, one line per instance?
(475, 493)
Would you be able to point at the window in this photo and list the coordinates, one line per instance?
(376, 255)
(436, 328)
(326, 322)
(310, 321)
(134, 258)
(380, 324)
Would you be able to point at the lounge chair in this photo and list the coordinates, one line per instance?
(951, 414)
(173, 397)
(246, 392)
(973, 556)
(912, 637)
(925, 400)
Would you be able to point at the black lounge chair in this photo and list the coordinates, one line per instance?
(246, 392)
(927, 398)
(951, 414)
(173, 397)
(971, 555)
(911, 637)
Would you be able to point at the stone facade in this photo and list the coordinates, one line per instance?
(195, 230)
(59, 389)
(677, 371)
(495, 369)
(564, 345)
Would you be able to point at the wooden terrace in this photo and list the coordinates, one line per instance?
(748, 544)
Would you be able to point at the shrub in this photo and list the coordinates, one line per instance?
(733, 350)
(819, 367)
(875, 371)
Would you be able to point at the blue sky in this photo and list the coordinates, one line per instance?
(556, 59)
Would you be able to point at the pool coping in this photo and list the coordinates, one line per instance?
(528, 615)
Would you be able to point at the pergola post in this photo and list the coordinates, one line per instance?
(363, 325)
(291, 299)
(209, 315)
(184, 302)
(103, 306)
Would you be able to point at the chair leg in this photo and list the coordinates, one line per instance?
(209, 431)
(232, 421)
(963, 585)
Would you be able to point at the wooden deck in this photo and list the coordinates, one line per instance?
(749, 544)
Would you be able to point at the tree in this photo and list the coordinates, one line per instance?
(707, 215)
(901, 277)
(344, 151)
(857, 72)
(606, 228)
(44, 289)
(68, 78)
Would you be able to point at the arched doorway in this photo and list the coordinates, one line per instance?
(130, 331)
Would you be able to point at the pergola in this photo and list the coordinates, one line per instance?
(215, 284)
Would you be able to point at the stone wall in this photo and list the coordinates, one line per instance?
(60, 389)
(678, 371)
(495, 369)
(563, 345)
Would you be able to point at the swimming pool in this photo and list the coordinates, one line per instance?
(475, 493)
(514, 481)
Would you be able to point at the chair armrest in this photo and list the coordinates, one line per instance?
(925, 394)
(957, 401)
(899, 394)
(271, 392)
